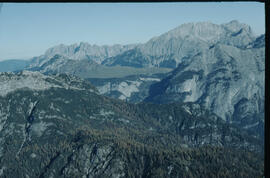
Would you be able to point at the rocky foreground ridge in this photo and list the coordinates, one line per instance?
(60, 126)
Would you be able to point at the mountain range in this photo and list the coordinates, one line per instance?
(197, 90)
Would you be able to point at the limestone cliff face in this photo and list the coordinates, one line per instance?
(226, 79)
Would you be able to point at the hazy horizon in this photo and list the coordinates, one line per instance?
(29, 29)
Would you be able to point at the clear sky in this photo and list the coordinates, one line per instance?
(29, 29)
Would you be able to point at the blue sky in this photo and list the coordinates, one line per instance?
(29, 29)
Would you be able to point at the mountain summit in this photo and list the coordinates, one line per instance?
(171, 48)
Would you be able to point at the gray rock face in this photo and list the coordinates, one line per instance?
(181, 43)
(134, 88)
(38, 82)
(84, 50)
(258, 43)
(226, 79)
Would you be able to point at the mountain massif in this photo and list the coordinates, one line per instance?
(181, 43)
(227, 80)
(188, 103)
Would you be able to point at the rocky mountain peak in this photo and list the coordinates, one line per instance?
(235, 26)
(207, 31)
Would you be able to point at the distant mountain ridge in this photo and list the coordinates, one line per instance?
(81, 51)
(13, 65)
(167, 50)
